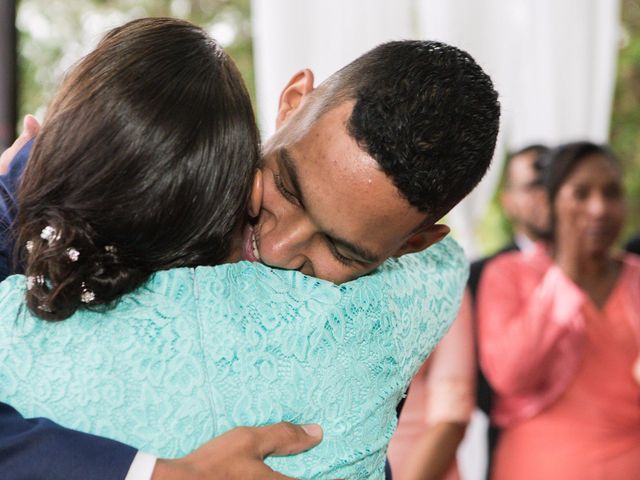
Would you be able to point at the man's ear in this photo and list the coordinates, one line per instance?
(423, 239)
(292, 95)
(255, 200)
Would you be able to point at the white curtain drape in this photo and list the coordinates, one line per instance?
(290, 35)
(553, 62)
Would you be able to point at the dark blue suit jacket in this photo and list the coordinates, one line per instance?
(37, 448)
(8, 188)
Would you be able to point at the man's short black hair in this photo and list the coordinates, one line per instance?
(428, 114)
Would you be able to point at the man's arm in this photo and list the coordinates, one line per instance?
(38, 448)
(12, 164)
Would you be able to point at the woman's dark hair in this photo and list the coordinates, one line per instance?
(560, 162)
(144, 163)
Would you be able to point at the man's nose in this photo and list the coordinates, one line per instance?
(289, 245)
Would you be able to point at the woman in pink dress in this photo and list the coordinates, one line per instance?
(438, 407)
(559, 334)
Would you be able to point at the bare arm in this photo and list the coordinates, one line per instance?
(435, 452)
(449, 401)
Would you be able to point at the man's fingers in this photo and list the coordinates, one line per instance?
(30, 130)
(286, 438)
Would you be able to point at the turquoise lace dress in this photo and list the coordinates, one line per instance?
(196, 352)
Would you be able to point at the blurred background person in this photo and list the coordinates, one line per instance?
(524, 205)
(437, 408)
(559, 333)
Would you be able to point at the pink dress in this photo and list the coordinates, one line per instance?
(442, 391)
(562, 370)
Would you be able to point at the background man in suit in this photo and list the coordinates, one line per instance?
(633, 245)
(524, 203)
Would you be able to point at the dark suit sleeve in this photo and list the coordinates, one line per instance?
(8, 191)
(40, 449)
(475, 271)
(633, 246)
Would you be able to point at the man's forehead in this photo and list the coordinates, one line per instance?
(522, 165)
(356, 202)
(344, 187)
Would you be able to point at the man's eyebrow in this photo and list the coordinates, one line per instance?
(359, 253)
(286, 163)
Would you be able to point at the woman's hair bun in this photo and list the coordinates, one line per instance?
(67, 265)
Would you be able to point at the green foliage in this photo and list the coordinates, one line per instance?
(625, 122)
(54, 34)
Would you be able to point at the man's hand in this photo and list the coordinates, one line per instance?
(29, 130)
(240, 454)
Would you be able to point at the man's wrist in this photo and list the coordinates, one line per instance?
(166, 469)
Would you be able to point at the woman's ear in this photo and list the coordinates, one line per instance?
(255, 200)
(293, 94)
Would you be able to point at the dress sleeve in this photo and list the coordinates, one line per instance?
(451, 376)
(527, 321)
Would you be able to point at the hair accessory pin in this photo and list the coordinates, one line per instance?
(87, 296)
(110, 249)
(49, 234)
(33, 280)
(73, 254)
(45, 308)
(29, 246)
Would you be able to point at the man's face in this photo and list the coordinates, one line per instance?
(329, 211)
(524, 200)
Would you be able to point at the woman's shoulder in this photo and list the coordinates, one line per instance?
(631, 261)
(403, 308)
(514, 263)
(441, 268)
(166, 294)
(631, 265)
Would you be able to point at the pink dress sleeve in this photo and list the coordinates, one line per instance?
(529, 323)
(450, 379)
